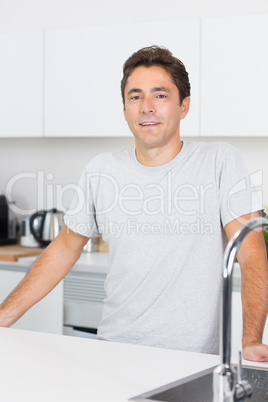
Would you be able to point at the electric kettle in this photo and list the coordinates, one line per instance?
(46, 225)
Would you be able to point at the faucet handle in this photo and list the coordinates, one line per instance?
(243, 389)
(239, 368)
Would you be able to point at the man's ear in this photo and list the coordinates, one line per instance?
(124, 110)
(185, 106)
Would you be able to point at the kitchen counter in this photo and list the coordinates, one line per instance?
(44, 367)
(96, 262)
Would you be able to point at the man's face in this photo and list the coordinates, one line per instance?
(152, 107)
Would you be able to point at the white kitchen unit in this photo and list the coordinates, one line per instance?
(234, 83)
(83, 70)
(46, 315)
(21, 83)
(74, 307)
(83, 295)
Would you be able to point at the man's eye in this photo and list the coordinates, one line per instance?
(136, 97)
(161, 96)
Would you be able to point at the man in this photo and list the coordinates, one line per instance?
(166, 208)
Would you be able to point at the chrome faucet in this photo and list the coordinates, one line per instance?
(227, 388)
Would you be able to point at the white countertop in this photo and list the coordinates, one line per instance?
(44, 367)
(95, 262)
(92, 262)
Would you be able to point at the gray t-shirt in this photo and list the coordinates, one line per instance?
(164, 226)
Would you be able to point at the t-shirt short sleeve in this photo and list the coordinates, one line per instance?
(237, 193)
(81, 216)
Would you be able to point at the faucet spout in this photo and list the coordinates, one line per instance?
(223, 378)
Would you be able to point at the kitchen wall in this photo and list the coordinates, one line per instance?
(43, 172)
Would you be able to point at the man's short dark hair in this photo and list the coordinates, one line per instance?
(162, 57)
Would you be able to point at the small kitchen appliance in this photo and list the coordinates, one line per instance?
(46, 225)
(27, 239)
(8, 226)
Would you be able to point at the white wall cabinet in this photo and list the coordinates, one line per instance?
(234, 79)
(45, 316)
(21, 83)
(68, 85)
(83, 70)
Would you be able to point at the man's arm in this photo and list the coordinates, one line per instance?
(48, 270)
(252, 258)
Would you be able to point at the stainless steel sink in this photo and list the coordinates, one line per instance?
(198, 388)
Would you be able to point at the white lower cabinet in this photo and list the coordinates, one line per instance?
(45, 316)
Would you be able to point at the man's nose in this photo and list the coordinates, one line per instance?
(147, 105)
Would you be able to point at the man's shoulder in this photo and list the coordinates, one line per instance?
(217, 149)
(109, 159)
(216, 146)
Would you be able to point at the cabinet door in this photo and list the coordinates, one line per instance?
(21, 83)
(83, 71)
(234, 76)
(45, 316)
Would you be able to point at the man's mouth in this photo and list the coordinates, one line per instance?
(149, 123)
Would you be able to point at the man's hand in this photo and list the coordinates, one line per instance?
(256, 352)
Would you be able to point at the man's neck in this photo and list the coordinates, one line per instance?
(157, 156)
